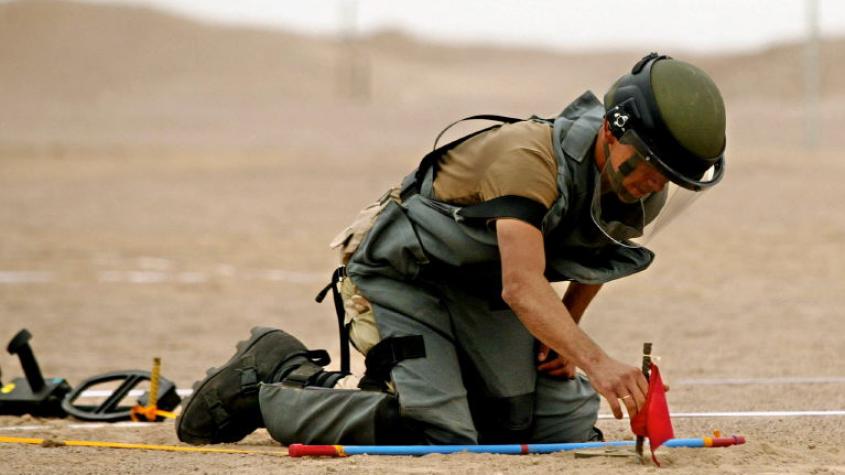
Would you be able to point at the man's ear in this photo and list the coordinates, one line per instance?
(607, 135)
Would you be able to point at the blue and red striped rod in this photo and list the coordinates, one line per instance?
(301, 450)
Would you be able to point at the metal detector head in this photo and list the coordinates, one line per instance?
(111, 409)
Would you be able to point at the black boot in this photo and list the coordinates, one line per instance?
(224, 406)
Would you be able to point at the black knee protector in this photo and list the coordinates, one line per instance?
(385, 355)
(393, 429)
(506, 420)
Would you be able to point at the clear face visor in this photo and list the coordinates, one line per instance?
(636, 197)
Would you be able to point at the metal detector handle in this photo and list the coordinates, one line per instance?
(109, 410)
(20, 345)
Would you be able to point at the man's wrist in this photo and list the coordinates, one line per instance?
(591, 361)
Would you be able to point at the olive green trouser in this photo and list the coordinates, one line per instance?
(476, 384)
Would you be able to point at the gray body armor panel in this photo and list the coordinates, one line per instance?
(424, 237)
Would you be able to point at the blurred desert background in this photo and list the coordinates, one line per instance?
(166, 184)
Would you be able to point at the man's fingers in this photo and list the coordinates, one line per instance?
(551, 365)
(639, 400)
(557, 373)
(633, 391)
(557, 368)
(642, 383)
(542, 352)
(631, 404)
(638, 397)
(565, 370)
(640, 391)
(614, 406)
(620, 382)
(548, 364)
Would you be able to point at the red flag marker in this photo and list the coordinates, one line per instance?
(653, 419)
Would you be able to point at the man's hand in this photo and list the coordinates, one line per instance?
(619, 382)
(553, 364)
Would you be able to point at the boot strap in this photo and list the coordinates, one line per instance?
(301, 376)
(249, 375)
(218, 413)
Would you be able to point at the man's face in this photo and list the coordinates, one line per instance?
(630, 175)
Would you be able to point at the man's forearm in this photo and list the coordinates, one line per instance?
(536, 304)
(578, 297)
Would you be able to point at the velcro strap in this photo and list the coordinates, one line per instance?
(387, 353)
(249, 375)
(249, 380)
(337, 276)
(215, 408)
(509, 206)
(319, 357)
(301, 376)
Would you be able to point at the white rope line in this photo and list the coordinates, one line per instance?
(95, 393)
(749, 381)
(681, 415)
(82, 425)
(147, 277)
(695, 415)
(25, 277)
(184, 392)
(689, 415)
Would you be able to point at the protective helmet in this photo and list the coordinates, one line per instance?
(673, 113)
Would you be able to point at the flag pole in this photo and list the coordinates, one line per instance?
(646, 372)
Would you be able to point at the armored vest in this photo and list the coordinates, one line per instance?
(423, 238)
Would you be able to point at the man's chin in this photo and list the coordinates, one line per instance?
(626, 197)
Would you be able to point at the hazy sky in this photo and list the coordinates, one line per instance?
(698, 25)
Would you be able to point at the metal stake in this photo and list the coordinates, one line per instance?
(646, 373)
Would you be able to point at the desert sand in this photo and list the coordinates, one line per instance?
(166, 185)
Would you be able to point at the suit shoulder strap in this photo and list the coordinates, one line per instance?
(495, 118)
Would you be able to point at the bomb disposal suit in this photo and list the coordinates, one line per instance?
(448, 359)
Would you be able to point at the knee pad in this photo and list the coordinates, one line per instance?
(385, 355)
(505, 420)
(393, 429)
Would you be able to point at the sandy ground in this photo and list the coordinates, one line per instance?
(165, 205)
(749, 284)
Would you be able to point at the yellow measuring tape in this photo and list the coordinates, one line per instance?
(123, 445)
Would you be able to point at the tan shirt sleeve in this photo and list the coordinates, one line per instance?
(522, 171)
(515, 159)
